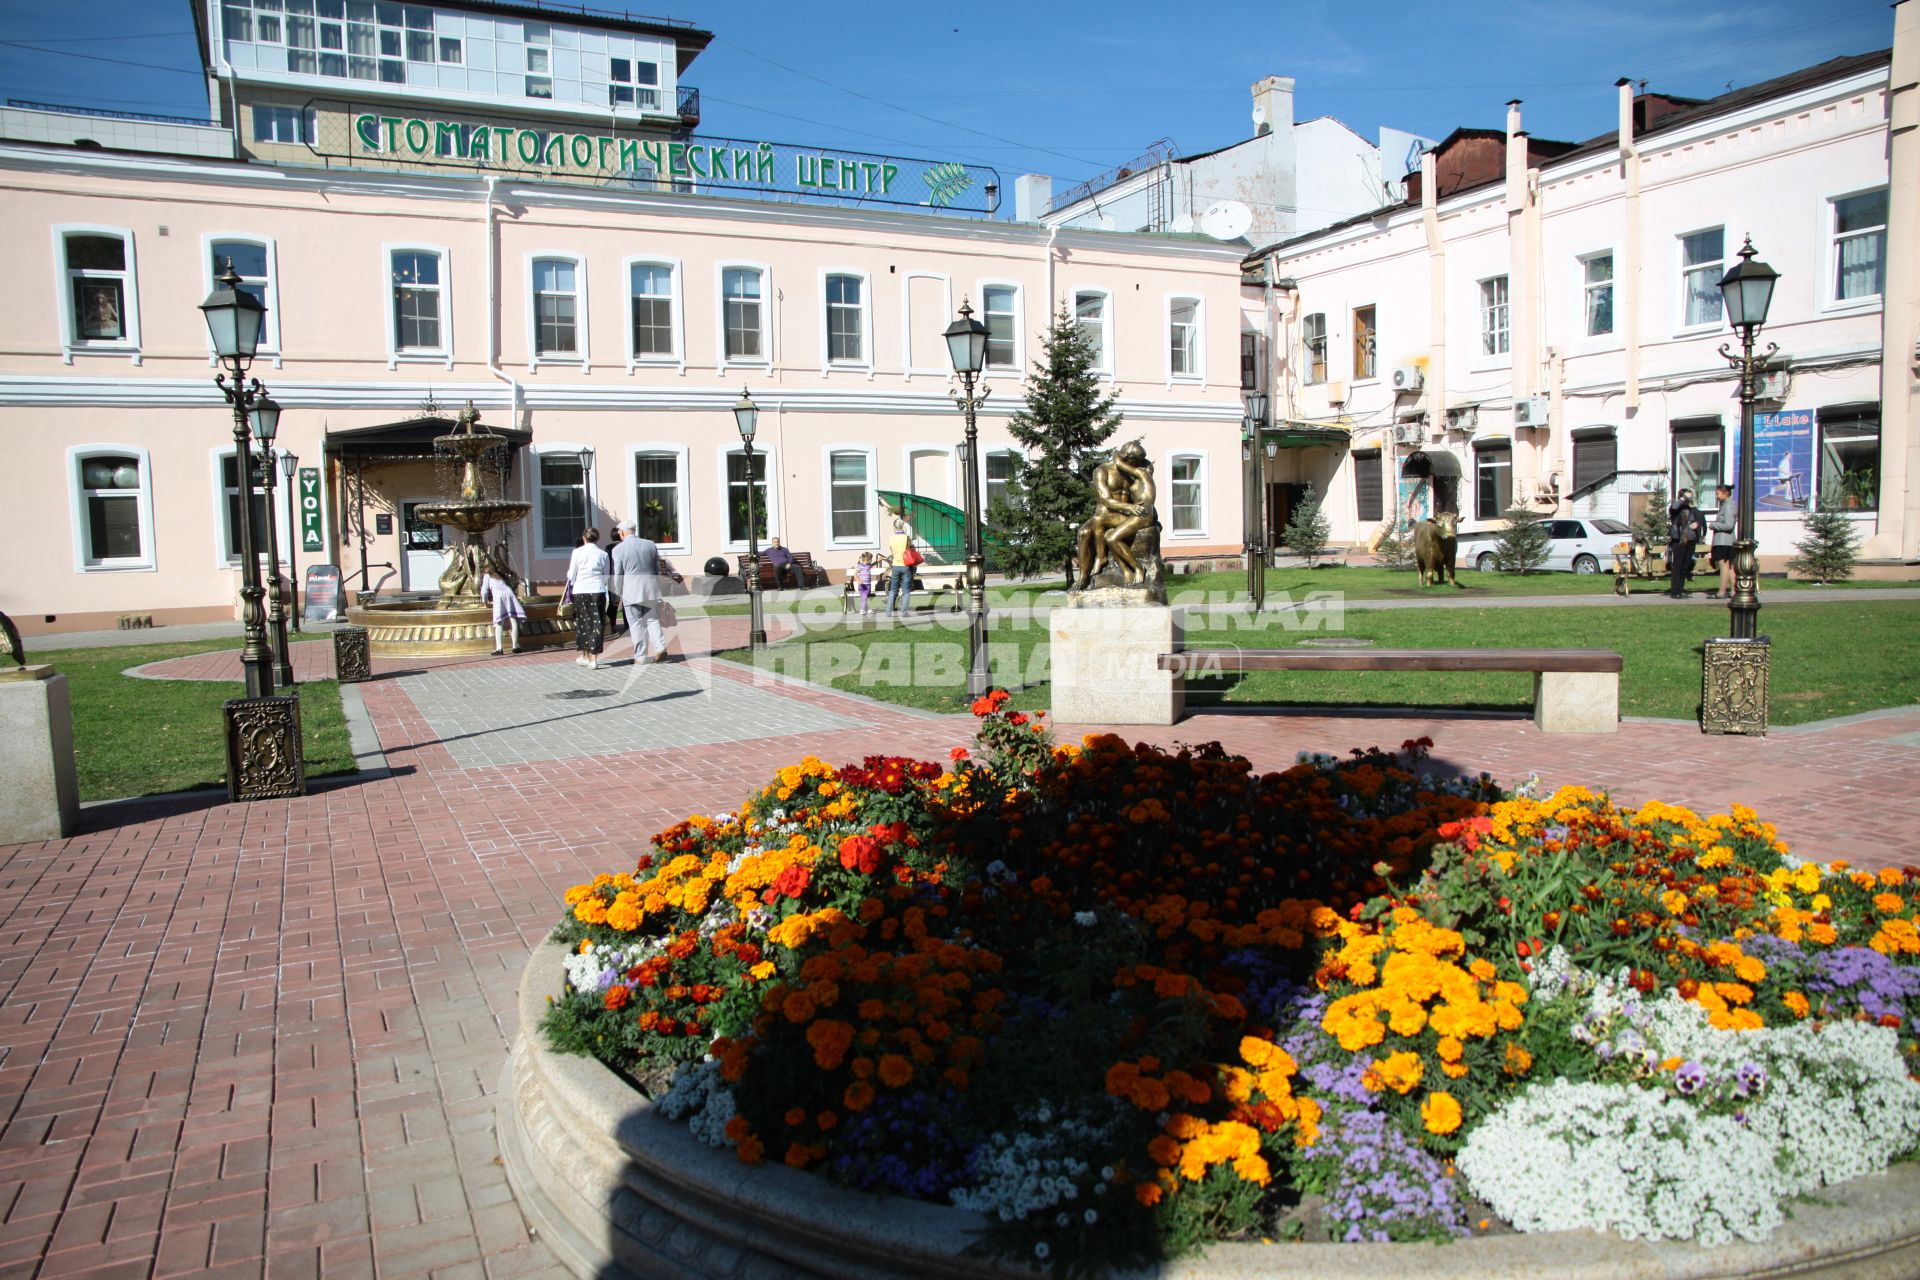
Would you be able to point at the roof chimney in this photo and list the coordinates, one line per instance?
(1513, 117)
(1272, 105)
(1032, 193)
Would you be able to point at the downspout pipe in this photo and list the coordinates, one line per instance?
(1627, 278)
(493, 364)
(1052, 232)
(1436, 300)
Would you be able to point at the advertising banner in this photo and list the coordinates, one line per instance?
(307, 498)
(1782, 460)
(322, 593)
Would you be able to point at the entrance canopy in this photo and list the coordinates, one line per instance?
(1305, 435)
(408, 441)
(1438, 464)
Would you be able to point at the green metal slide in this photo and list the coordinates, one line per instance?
(939, 528)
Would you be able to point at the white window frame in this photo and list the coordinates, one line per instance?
(308, 125)
(1307, 376)
(70, 345)
(1198, 374)
(276, 511)
(870, 540)
(723, 361)
(945, 368)
(1104, 367)
(1830, 299)
(678, 359)
(954, 495)
(1200, 478)
(683, 486)
(539, 513)
(270, 329)
(580, 356)
(1353, 317)
(395, 356)
(1018, 369)
(1580, 287)
(986, 483)
(827, 363)
(83, 560)
(1482, 309)
(773, 494)
(1681, 270)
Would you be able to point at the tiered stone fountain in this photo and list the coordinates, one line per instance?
(457, 622)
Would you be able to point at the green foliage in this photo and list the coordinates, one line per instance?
(1395, 549)
(1066, 422)
(1307, 532)
(1653, 521)
(1828, 552)
(1524, 544)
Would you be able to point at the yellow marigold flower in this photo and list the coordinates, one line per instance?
(1185, 1126)
(1453, 1070)
(1806, 878)
(1750, 969)
(575, 894)
(1450, 1049)
(1796, 1004)
(1399, 1072)
(1482, 970)
(1440, 1113)
(624, 914)
(1674, 901)
(1252, 1168)
(1518, 1062)
(1891, 876)
(1824, 934)
(1718, 856)
(1889, 903)
(1734, 992)
(591, 911)
(762, 971)
(1864, 880)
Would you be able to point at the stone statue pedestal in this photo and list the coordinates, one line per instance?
(1105, 656)
(41, 798)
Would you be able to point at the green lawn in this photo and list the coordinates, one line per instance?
(1828, 659)
(135, 737)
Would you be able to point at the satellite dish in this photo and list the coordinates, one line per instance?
(1181, 224)
(1226, 220)
(1103, 221)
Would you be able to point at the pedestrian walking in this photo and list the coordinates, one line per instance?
(1720, 554)
(863, 582)
(508, 612)
(900, 576)
(1680, 539)
(638, 571)
(587, 588)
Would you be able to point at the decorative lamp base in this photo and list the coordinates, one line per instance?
(1733, 689)
(264, 749)
(352, 655)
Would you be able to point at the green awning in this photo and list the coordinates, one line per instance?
(940, 528)
(1304, 435)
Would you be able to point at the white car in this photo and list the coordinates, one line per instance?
(1583, 546)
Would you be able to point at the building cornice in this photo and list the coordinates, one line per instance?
(26, 390)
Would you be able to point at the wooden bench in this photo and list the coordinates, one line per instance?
(811, 574)
(1574, 690)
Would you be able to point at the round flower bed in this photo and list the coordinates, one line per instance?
(1122, 1002)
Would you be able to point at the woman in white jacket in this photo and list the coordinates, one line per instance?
(587, 588)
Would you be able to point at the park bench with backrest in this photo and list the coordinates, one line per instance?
(811, 574)
(1574, 690)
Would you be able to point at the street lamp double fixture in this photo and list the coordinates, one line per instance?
(1255, 454)
(265, 416)
(746, 416)
(967, 348)
(264, 747)
(289, 468)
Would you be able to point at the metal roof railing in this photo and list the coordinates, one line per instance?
(104, 114)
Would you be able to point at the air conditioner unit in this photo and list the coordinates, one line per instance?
(1531, 412)
(1462, 418)
(1410, 433)
(1408, 379)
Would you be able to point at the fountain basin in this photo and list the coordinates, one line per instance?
(440, 629)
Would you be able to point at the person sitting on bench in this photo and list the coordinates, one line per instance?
(780, 560)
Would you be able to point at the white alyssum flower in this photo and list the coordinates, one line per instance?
(1028, 1172)
(698, 1095)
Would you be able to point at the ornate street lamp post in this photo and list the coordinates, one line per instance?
(235, 318)
(1736, 672)
(290, 468)
(746, 416)
(1748, 290)
(967, 346)
(1258, 451)
(266, 424)
(264, 745)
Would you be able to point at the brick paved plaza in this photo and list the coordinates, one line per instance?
(264, 1039)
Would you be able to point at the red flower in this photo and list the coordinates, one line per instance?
(617, 996)
(983, 706)
(1017, 718)
(958, 753)
(792, 882)
(858, 853)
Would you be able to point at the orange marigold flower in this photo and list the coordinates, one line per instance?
(798, 1007)
(1147, 1193)
(1440, 1113)
(795, 1117)
(798, 1156)
(1164, 1150)
(751, 1151)
(895, 1070)
(859, 1096)
(1889, 903)
(1796, 1004)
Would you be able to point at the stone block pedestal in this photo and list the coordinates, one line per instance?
(1576, 701)
(1105, 664)
(41, 797)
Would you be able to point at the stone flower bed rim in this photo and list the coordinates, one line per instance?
(1872, 1221)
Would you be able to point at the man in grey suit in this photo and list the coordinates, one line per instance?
(637, 573)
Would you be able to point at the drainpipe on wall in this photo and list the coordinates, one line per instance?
(1898, 523)
(493, 367)
(1626, 284)
(1520, 255)
(1436, 306)
(1052, 231)
(1556, 410)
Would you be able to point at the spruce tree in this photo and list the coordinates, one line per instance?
(1395, 548)
(1653, 521)
(1063, 427)
(1307, 532)
(1524, 544)
(1828, 551)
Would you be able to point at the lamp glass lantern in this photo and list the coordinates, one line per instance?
(967, 342)
(235, 319)
(289, 463)
(746, 416)
(1748, 290)
(265, 416)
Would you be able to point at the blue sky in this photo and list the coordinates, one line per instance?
(1071, 88)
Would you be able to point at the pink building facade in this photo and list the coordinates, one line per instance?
(621, 322)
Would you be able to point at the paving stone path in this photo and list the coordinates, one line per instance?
(265, 1039)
